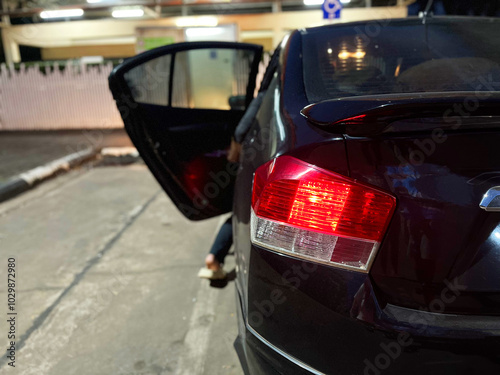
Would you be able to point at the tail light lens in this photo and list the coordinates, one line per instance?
(304, 211)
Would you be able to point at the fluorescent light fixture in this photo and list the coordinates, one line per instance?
(204, 31)
(313, 2)
(93, 1)
(61, 13)
(208, 21)
(127, 12)
(320, 2)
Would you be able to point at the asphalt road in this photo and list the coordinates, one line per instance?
(106, 281)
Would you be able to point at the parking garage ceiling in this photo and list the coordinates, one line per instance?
(95, 9)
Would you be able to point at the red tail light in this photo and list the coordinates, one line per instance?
(308, 212)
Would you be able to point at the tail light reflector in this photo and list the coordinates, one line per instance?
(308, 212)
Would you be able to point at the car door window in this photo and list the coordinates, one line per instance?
(209, 78)
(149, 82)
(202, 78)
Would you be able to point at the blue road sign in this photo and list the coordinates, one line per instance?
(331, 9)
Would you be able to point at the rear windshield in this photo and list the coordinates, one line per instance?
(400, 57)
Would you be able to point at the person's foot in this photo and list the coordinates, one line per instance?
(212, 263)
(213, 269)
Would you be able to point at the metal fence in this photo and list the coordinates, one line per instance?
(54, 97)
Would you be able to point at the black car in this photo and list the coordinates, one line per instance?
(366, 201)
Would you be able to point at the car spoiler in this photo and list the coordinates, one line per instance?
(372, 115)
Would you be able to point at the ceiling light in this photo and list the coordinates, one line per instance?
(127, 12)
(345, 1)
(61, 13)
(93, 1)
(313, 2)
(208, 21)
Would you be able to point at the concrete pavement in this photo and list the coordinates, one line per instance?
(28, 158)
(22, 151)
(106, 280)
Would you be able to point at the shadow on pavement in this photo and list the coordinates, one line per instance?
(231, 275)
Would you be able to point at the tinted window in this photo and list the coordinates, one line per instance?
(202, 78)
(401, 57)
(208, 78)
(148, 82)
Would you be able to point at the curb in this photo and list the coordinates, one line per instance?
(113, 156)
(25, 181)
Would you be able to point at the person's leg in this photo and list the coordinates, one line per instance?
(221, 246)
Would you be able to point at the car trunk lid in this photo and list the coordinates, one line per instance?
(438, 154)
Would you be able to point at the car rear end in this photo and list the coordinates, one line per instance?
(369, 251)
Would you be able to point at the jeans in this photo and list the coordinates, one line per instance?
(223, 241)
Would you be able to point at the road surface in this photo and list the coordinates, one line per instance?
(106, 281)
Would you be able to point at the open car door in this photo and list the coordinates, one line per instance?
(180, 105)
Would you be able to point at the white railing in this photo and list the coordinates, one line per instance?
(77, 97)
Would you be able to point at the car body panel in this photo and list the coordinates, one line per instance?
(438, 233)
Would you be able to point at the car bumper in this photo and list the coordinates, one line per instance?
(388, 341)
(258, 356)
